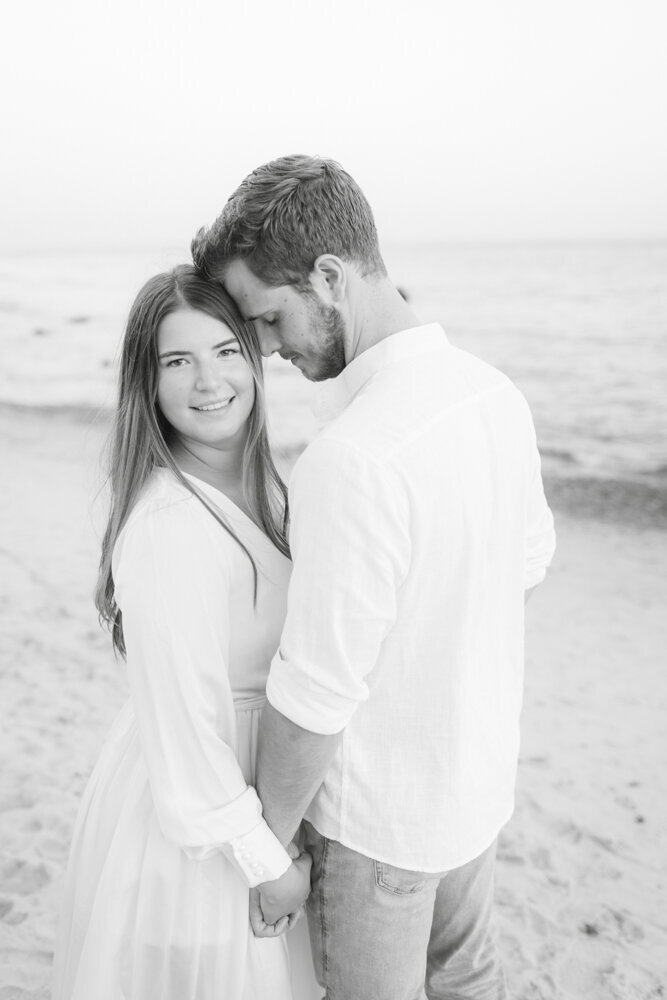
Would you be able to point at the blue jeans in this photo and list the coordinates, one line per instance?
(384, 933)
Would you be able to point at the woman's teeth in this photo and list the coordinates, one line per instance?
(214, 406)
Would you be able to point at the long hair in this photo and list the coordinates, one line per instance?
(139, 441)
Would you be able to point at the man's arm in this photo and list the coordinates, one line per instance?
(350, 544)
(291, 764)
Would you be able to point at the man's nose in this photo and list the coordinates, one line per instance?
(269, 342)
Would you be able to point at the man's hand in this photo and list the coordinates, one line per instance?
(284, 895)
(275, 905)
(260, 928)
(259, 925)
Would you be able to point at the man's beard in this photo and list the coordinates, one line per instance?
(329, 327)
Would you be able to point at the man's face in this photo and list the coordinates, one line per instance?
(302, 328)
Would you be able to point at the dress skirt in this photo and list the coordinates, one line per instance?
(141, 920)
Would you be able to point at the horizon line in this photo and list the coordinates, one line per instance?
(168, 246)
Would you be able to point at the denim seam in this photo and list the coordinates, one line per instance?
(396, 890)
(323, 915)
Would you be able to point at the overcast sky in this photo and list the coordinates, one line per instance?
(129, 123)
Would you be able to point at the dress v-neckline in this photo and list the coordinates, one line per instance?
(230, 504)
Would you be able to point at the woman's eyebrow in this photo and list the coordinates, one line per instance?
(180, 354)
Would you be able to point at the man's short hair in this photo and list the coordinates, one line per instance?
(283, 216)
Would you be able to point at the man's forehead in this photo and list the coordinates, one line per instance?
(251, 294)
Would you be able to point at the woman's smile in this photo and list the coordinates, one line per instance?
(214, 407)
(204, 373)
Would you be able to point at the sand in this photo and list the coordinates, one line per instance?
(581, 888)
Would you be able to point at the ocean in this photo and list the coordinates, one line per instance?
(581, 329)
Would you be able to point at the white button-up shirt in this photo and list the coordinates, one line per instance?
(418, 521)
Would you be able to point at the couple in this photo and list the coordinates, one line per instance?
(344, 694)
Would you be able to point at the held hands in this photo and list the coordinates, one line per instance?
(276, 906)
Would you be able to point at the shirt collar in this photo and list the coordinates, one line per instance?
(337, 393)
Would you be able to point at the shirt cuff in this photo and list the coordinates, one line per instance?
(259, 856)
(248, 842)
(539, 559)
(324, 714)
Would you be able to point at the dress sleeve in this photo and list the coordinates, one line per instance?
(351, 548)
(172, 587)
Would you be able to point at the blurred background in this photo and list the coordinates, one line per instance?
(515, 156)
(514, 153)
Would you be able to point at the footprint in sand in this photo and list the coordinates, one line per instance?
(28, 981)
(15, 800)
(511, 859)
(628, 929)
(538, 923)
(541, 859)
(568, 830)
(23, 878)
(53, 849)
(584, 968)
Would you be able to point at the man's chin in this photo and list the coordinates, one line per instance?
(322, 370)
(317, 376)
(327, 334)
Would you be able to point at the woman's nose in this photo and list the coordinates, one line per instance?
(208, 377)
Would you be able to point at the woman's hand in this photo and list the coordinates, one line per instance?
(276, 906)
(259, 925)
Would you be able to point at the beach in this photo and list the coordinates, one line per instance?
(581, 885)
(580, 330)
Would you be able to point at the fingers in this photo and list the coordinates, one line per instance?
(271, 930)
(295, 917)
(275, 905)
(257, 921)
(281, 926)
(271, 914)
(260, 927)
(293, 851)
(304, 862)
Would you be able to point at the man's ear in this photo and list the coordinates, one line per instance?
(329, 277)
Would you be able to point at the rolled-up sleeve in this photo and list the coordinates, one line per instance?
(540, 533)
(351, 547)
(173, 590)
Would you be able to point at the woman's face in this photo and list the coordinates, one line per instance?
(206, 389)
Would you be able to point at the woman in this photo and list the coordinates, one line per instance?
(193, 579)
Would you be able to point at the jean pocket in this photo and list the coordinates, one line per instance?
(402, 881)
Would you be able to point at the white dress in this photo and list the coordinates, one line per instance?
(169, 835)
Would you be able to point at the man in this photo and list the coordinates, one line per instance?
(418, 524)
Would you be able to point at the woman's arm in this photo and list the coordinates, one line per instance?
(172, 586)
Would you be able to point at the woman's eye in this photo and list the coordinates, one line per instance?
(228, 352)
(176, 362)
